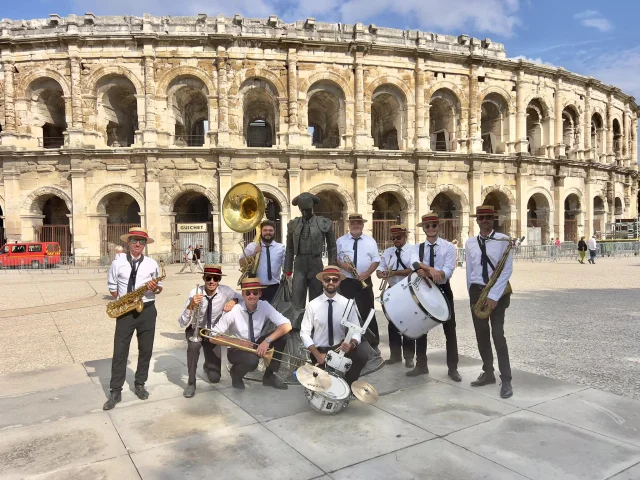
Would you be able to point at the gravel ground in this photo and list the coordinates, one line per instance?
(579, 323)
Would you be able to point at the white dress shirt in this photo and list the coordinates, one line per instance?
(592, 243)
(236, 321)
(315, 323)
(118, 276)
(276, 253)
(444, 258)
(389, 258)
(367, 252)
(221, 296)
(495, 250)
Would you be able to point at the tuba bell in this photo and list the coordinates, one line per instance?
(243, 208)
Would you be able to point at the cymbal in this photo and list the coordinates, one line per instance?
(313, 378)
(364, 391)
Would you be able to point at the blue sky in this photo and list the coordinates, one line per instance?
(587, 37)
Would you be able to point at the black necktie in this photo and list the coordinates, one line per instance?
(209, 313)
(330, 322)
(484, 258)
(252, 336)
(135, 264)
(269, 276)
(398, 251)
(432, 256)
(355, 252)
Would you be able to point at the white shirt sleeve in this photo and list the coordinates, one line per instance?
(272, 314)
(185, 318)
(415, 255)
(112, 276)
(374, 253)
(307, 326)
(248, 251)
(383, 263)
(449, 261)
(226, 320)
(501, 283)
(468, 262)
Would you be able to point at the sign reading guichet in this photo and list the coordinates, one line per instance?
(192, 227)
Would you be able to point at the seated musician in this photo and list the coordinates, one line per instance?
(245, 321)
(213, 299)
(322, 331)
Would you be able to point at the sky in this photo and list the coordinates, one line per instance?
(586, 37)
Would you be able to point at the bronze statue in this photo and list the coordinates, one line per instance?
(306, 238)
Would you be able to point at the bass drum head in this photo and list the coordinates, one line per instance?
(431, 299)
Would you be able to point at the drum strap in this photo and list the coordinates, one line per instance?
(421, 252)
(399, 262)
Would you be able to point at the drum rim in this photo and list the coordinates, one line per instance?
(424, 310)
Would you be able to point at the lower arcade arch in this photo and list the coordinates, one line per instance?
(54, 223)
(538, 215)
(449, 208)
(500, 203)
(572, 218)
(193, 223)
(388, 209)
(117, 213)
(332, 207)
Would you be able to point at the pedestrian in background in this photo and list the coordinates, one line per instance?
(188, 259)
(197, 253)
(592, 250)
(582, 250)
(455, 244)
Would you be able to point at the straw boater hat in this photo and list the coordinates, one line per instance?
(212, 269)
(484, 210)
(251, 283)
(399, 229)
(331, 270)
(356, 217)
(137, 232)
(428, 218)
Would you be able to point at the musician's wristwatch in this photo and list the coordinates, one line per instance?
(268, 340)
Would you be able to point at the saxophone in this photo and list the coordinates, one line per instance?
(481, 309)
(132, 300)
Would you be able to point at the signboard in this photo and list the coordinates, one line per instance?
(191, 227)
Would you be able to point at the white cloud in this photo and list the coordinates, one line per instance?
(594, 19)
(620, 68)
(453, 16)
(537, 60)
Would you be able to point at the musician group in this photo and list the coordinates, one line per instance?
(248, 317)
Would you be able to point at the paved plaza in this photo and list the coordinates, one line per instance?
(572, 331)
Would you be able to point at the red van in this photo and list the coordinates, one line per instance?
(30, 254)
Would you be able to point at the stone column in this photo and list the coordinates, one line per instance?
(294, 177)
(361, 190)
(588, 207)
(363, 138)
(292, 77)
(475, 132)
(634, 142)
(625, 136)
(588, 153)
(522, 177)
(421, 204)
(422, 136)
(12, 220)
(475, 191)
(79, 212)
(150, 133)
(558, 198)
(75, 131)
(154, 223)
(228, 238)
(521, 115)
(609, 151)
(560, 147)
(223, 100)
(9, 127)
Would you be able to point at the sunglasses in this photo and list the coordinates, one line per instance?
(215, 278)
(331, 279)
(431, 225)
(141, 241)
(485, 217)
(399, 237)
(251, 293)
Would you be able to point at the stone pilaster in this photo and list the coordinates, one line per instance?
(361, 190)
(475, 191)
(152, 211)
(558, 198)
(294, 177)
(228, 238)
(363, 138)
(625, 136)
(9, 127)
(422, 136)
(560, 147)
(292, 78)
(475, 132)
(587, 123)
(609, 120)
(421, 203)
(79, 202)
(522, 180)
(75, 131)
(150, 133)
(223, 100)
(521, 115)
(12, 220)
(634, 142)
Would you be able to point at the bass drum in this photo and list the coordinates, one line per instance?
(415, 305)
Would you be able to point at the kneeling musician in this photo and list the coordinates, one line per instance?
(219, 299)
(245, 321)
(322, 331)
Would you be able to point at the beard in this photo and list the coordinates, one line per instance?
(331, 288)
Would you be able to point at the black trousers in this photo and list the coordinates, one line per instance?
(352, 288)
(400, 345)
(493, 327)
(449, 328)
(269, 292)
(212, 355)
(245, 362)
(144, 324)
(358, 357)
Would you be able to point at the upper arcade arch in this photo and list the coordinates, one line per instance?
(188, 106)
(538, 125)
(117, 119)
(389, 117)
(46, 108)
(494, 123)
(184, 71)
(240, 79)
(326, 114)
(260, 112)
(92, 81)
(304, 86)
(444, 119)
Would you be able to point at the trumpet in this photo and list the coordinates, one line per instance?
(352, 269)
(246, 346)
(196, 321)
(385, 281)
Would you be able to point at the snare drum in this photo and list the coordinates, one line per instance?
(334, 400)
(413, 307)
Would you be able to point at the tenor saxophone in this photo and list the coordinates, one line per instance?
(481, 309)
(132, 300)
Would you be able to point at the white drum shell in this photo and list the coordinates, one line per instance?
(333, 401)
(402, 309)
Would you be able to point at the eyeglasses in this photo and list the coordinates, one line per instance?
(215, 278)
(485, 217)
(431, 225)
(399, 237)
(141, 241)
(331, 279)
(251, 293)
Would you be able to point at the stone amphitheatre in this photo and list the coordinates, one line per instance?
(112, 121)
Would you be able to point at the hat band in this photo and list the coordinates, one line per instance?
(251, 285)
(484, 211)
(213, 270)
(137, 233)
(330, 270)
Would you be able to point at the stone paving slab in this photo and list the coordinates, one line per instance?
(49, 447)
(118, 468)
(442, 409)
(632, 473)
(248, 452)
(539, 447)
(359, 433)
(151, 424)
(39, 380)
(267, 403)
(435, 459)
(48, 406)
(600, 412)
